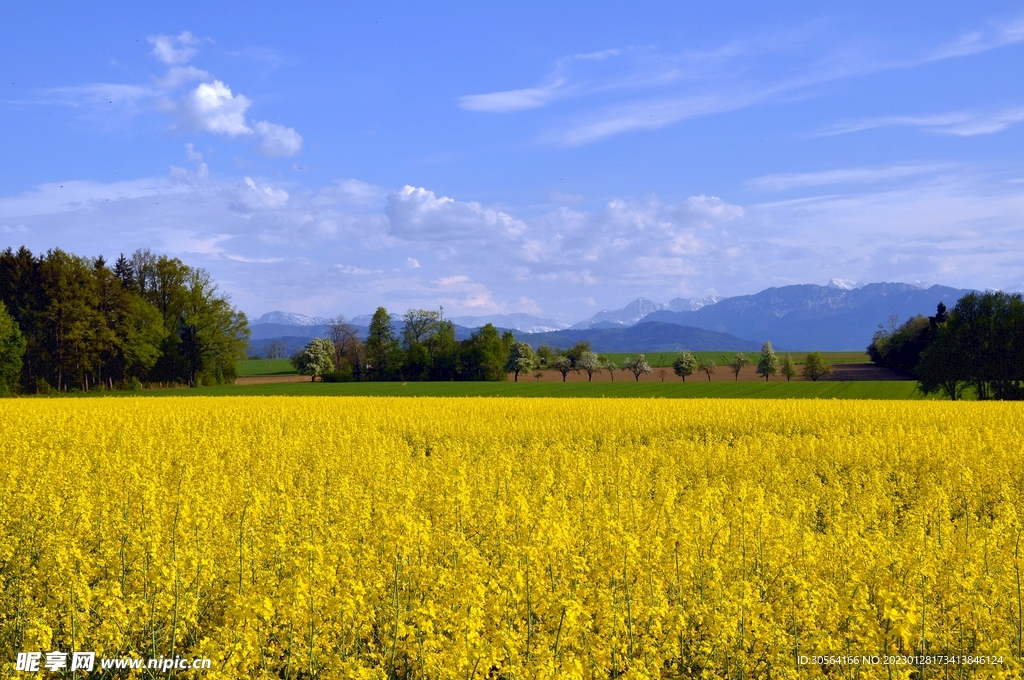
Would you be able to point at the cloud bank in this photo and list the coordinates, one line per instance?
(351, 245)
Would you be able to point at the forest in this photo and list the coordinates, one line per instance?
(74, 323)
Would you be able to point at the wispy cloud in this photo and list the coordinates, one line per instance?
(996, 35)
(960, 123)
(174, 49)
(867, 175)
(511, 100)
(643, 89)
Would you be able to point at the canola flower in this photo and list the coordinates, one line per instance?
(506, 538)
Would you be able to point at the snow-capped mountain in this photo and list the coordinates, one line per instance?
(520, 322)
(291, 319)
(844, 284)
(641, 307)
(692, 304)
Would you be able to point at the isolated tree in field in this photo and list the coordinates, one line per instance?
(636, 366)
(787, 368)
(611, 367)
(816, 367)
(537, 375)
(769, 363)
(316, 358)
(520, 358)
(563, 365)
(707, 366)
(685, 364)
(737, 364)
(588, 362)
(12, 348)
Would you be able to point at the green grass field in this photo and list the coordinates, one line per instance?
(657, 359)
(725, 390)
(253, 367)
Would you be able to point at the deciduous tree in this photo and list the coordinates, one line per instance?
(636, 366)
(707, 366)
(816, 367)
(381, 346)
(768, 365)
(588, 362)
(787, 368)
(685, 364)
(563, 365)
(737, 363)
(520, 358)
(316, 358)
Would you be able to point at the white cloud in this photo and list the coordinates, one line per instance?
(174, 50)
(250, 197)
(712, 206)
(417, 214)
(278, 140)
(209, 107)
(356, 271)
(272, 247)
(212, 107)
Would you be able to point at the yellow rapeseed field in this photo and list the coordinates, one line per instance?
(512, 538)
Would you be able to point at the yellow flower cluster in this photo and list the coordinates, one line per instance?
(512, 538)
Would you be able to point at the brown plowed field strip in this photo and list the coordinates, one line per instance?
(840, 372)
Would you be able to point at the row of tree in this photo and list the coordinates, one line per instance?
(425, 349)
(580, 358)
(69, 322)
(979, 344)
(769, 365)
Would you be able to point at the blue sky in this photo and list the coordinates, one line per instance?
(553, 160)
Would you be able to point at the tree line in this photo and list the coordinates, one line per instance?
(424, 349)
(74, 323)
(979, 344)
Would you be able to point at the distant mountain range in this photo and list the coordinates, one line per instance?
(841, 315)
(516, 322)
(290, 319)
(810, 317)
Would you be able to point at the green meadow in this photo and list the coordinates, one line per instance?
(881, 389)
